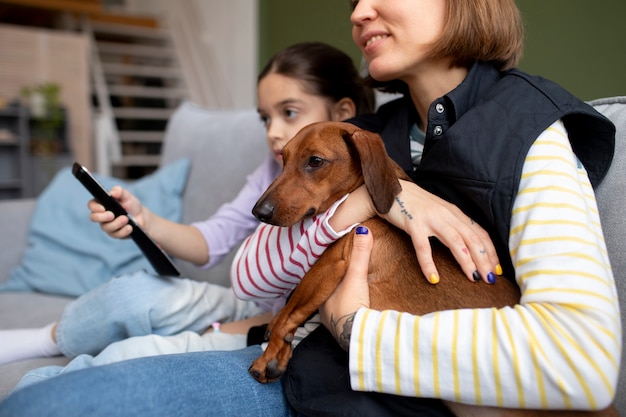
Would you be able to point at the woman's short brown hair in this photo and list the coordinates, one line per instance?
(482, 30)
(475, 30)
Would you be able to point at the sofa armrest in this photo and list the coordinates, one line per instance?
(15, 216)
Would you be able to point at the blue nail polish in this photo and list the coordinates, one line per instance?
(475, 276)
(361, 230)
(491, 278)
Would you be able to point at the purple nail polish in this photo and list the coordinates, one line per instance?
(491, 278)
(361, 230)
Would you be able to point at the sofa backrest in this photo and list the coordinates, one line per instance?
(611, 197)
(224, 146)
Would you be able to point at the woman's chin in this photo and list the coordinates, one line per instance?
(380, 73)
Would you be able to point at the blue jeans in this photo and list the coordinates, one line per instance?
(138, 315)
(191, 384)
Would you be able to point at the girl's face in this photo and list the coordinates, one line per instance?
(285, 108)
(395, 35)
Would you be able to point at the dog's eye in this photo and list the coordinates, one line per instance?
(315, 162)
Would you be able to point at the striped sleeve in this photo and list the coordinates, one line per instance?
(559, 348)
(273, 260)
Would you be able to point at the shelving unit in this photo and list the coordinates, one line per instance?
(15, 175)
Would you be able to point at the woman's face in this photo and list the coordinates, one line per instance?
(285, 108)
(395, 35)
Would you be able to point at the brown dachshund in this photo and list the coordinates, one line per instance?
(322, 163)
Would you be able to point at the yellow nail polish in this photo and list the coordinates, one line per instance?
(434, 278)
(498, 270)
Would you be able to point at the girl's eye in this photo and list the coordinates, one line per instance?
(290, 114)
(353, 3)
(265, 120)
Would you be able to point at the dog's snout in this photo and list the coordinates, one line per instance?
(264, 211)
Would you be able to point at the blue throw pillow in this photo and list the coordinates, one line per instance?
(67, 254)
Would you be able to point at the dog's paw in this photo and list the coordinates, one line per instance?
(271, 373)
(273, 370)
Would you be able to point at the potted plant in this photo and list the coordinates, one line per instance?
(47, 118)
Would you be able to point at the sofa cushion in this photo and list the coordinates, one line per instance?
(611, 198)
(611, 194)
(67, 254)
(225, 146)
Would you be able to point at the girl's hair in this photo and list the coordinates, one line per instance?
(324, 71)
(475, 30)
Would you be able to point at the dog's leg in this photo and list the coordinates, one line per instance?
(315, 288)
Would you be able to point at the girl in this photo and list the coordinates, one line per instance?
(301, 84)
(520, 156)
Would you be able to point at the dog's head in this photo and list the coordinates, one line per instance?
(321, 164)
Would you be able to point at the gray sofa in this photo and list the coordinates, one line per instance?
(224, 146)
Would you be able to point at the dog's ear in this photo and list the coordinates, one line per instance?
(379, 171)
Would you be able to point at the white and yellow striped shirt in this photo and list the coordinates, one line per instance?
(559, 348)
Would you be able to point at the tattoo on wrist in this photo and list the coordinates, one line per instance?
(404, 210)
(342, 333)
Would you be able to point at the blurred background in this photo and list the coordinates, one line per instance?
(97, 80)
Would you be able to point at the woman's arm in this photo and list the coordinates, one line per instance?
(559, 348)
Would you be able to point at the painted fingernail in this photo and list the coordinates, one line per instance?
(499, 270)
(491, 278)
(476, 276)
(434, 278)
(361, 230)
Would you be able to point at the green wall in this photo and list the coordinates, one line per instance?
(581, 44)
(284, 22)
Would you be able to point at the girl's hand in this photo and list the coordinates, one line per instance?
(352, 293)
(118, 227)
(422, 215)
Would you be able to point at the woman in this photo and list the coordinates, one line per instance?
(498, 144)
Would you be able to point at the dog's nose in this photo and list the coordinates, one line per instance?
(263, 211)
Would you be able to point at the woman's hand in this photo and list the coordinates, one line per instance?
(118, 227)
(352, 293)
(422, 215)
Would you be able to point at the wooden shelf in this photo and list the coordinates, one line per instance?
(13, 154)
(91, 8)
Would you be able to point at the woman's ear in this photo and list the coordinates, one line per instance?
(343, 109)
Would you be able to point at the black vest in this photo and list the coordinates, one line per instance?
(477, 162)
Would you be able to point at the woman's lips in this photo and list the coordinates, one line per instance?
(371, 40)
(374, 39)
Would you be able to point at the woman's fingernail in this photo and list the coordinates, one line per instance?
(476, 276)
(434, 278)
(361, 230)
(491, 278)
(499, 270)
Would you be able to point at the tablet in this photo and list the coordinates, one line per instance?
(159, 260)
